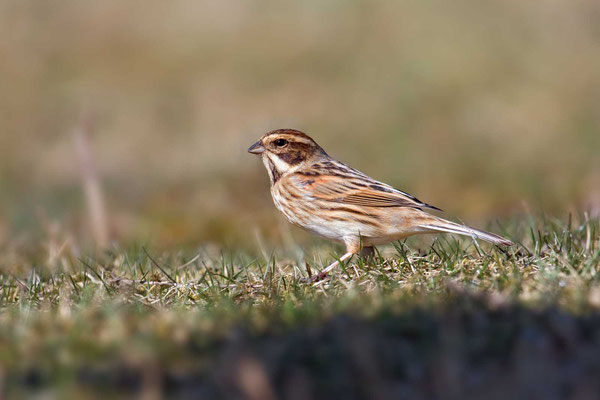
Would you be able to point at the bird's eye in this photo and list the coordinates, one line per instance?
(280, 142)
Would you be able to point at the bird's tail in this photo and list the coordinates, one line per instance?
(441, 225)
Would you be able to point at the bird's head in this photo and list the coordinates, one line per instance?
(285, 150)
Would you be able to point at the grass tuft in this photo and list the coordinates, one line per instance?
(116, 319)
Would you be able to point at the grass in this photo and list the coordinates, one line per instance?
(444, 320)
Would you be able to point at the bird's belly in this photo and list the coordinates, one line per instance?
(306, 215)
(340, 223)
(319, 226)
(334, 226)
(330, 230)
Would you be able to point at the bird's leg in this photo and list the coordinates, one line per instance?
(343, 258)
(323, 274)
(351, 249)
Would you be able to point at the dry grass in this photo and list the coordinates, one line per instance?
(130, 322)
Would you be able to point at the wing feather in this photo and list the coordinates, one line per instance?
(352, 187)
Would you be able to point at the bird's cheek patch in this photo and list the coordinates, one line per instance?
(292, 157)
(279, 163)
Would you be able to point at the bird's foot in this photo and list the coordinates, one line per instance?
(315, 278)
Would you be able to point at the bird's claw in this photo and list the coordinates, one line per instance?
(314, 278)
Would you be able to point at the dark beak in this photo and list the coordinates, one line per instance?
(256, 148)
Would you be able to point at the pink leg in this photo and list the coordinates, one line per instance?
(323, 274)
(336, 263)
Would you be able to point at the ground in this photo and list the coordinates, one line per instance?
(452, 320)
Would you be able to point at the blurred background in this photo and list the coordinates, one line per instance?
(130, 121)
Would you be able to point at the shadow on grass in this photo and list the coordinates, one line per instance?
(464, 349)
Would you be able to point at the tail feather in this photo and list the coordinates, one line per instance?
(442, 225)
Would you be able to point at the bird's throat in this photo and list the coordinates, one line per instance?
(271, 166)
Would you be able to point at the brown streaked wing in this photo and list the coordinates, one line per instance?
(368, 198)
(355, 190)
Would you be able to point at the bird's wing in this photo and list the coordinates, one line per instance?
(342, 184)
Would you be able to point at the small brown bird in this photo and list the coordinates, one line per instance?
(333, 200)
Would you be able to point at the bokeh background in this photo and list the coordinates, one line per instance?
(486, 109)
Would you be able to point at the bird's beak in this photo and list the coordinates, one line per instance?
(256, 148)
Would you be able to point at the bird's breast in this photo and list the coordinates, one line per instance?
(332, 220)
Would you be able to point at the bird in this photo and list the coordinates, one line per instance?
(331, 199)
